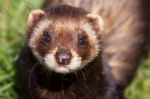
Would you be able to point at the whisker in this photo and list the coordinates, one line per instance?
(83, 75)
(76, 74)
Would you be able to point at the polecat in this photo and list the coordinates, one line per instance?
(126, 32)
(72, 54)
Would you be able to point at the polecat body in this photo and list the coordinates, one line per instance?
(126, 32)
(64, 57)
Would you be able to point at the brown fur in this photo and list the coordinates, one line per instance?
(47, 85)
(61, 27)
(90, 83)
(125, 34)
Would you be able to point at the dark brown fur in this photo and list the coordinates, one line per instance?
(90, 83)
(41, 84)
(121, 41)
(127, 32)
(67, 36)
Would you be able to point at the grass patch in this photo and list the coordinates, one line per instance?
(140, 87)
(13, 18)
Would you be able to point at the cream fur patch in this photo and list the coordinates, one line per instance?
(99, 20)
(51, 63)
(38, 30)
(93, 37)
(33, 14)
(76, 61)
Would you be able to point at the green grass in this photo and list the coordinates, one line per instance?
(140, 87)
(13, 18)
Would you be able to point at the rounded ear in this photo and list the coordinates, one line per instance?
(96, 21)
(34, 16)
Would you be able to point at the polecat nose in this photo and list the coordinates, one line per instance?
(63, 57)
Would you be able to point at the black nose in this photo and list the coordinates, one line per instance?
(63, 57)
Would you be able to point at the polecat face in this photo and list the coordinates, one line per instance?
(64, 41)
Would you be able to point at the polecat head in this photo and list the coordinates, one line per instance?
(64, 38)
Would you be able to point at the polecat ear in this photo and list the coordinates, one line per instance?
(34, 16)
(96, 21)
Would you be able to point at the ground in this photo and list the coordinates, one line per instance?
(13, 18)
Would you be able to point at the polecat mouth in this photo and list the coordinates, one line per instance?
(51, 62)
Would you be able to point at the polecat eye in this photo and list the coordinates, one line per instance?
(82, 39)
(46, 37)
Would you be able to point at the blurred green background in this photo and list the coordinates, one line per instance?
(13, 18)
